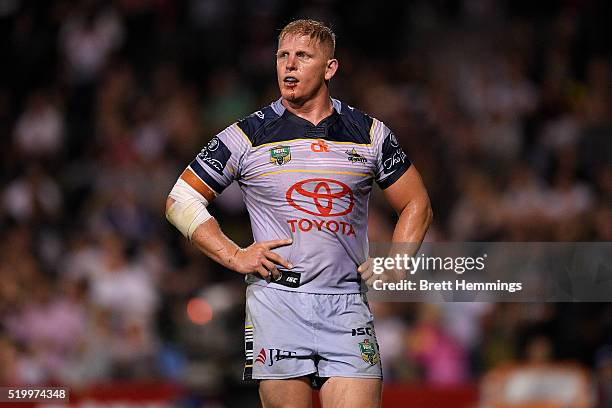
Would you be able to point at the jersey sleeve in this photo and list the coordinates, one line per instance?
(391, 160)
(220, 162)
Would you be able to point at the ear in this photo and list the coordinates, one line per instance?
(331, 68)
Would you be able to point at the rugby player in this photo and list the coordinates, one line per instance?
(306, 164)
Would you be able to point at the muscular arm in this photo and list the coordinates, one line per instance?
(208, 238)
(409, 199)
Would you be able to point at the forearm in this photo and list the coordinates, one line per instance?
(195, 223)
(410, 229)
(410, 200)
(409, 232)
(209, 239)
(207, 236)
(413, 223)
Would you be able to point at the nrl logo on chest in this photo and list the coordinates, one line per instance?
(280, 155)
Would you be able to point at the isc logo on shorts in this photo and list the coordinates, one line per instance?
(361, 331)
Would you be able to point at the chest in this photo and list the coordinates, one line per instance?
(322, 167)
(309, 155)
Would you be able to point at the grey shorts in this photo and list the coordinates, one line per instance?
(294, 334)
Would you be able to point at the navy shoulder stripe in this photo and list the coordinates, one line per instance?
(253, 123)
(359, 121)
(212, 183)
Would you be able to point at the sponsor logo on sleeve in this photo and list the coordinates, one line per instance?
(393, 155)
(397, 158)
(215, 155)
(393, 140)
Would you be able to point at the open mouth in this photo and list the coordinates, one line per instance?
(290, 81)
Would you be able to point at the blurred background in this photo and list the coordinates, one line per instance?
(503, 106)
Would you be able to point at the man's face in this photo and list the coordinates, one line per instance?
(302, 67)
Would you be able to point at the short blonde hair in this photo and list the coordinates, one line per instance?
(316, 30)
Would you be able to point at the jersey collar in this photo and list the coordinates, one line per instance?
(324, 123)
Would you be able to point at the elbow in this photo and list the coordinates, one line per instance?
(428, 215)
(169, 202)
(420, 212)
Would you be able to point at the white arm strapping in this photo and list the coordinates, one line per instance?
(188, 210)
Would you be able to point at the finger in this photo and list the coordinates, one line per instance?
(275, 243)
(396, 275)
(365, 266)
(372, 279)
(271, 268)
(277, 259)
(263, 272)
(367, 274)
(364, 269)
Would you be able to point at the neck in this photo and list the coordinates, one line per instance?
(313, 110)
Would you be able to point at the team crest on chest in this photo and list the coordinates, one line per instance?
(355, 157)
(280, 155)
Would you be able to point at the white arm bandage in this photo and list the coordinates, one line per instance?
(188, 210)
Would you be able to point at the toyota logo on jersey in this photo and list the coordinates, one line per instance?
(322, 197)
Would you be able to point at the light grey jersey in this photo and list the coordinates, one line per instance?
(310, 183)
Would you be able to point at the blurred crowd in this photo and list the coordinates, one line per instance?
(503, 106)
